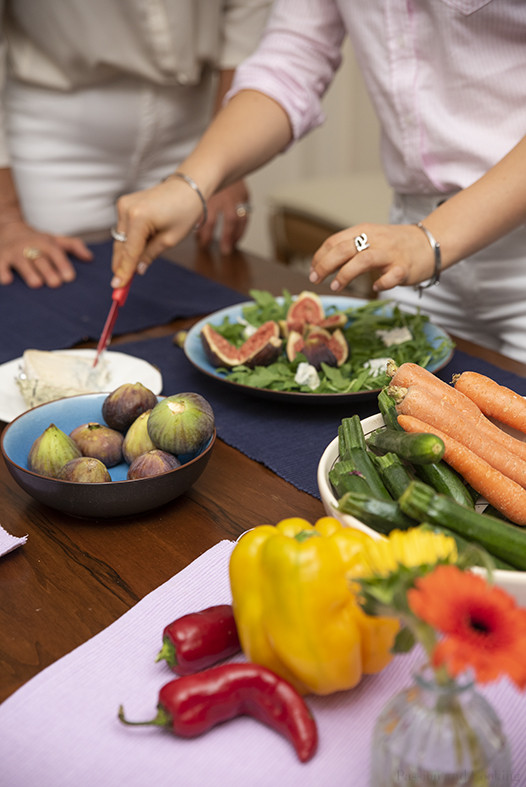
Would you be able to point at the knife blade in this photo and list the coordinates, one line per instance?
(118, 299)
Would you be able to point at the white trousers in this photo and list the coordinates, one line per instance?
(73, 154)
(482, 298)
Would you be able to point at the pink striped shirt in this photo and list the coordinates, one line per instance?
(447, 78)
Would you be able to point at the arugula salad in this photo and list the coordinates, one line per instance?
(367, 328)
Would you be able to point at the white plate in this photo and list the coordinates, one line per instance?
(123, 368)
(514, 582)
(195, 353)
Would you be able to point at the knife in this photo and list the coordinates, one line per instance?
(119, 296)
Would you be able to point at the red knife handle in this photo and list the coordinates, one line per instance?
(121, 293)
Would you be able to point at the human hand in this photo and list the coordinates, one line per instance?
(396, 254)
(39, 258)
(151, 221)
(233, 205)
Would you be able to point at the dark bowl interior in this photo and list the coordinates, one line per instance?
(118, 498)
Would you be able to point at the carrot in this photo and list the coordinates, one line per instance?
(495, 401)
(474, 430)
(500, 491)
(412, 374)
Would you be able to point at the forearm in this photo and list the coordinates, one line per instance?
(247, 133)
(482, 213)
(10, 210)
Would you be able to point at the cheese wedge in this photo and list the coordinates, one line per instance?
(46, 376)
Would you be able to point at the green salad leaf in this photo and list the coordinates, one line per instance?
(365, 345)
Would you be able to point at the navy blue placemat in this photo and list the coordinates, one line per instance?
(52, 319)
(288, 438)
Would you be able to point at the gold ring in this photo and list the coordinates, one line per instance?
(243, 209)
(31, 253)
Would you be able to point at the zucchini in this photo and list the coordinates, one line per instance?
(344, 477)
(394, 473)
(352, 447)
(503, 540)
(417, 448)
(446, 481)
(380, 515)
(387, 407)
(463, 544)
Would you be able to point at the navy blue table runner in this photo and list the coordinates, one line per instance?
(287, 437)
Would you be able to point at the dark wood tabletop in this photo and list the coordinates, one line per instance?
(74, 577)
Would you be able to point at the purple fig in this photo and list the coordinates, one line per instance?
(100, 442)
(152, 463)
(50, 451)
(137, 440)
(85, 470)
(123, 405)
(181, 424)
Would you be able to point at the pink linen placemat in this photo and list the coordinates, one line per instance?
(61, 728)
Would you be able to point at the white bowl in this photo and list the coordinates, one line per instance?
(514, 582)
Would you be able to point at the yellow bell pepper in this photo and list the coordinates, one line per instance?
(296, 611)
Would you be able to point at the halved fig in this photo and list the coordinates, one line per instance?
(307, 308)
(318, 346)
(218, 350)
(260, 349)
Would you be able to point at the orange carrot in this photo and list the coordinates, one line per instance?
(495, 401)
(500, 491)
(412, 374)
(500, 449)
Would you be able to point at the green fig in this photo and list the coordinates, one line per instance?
(50, 452)
(85, 470)
(181, 424)
(137, 440)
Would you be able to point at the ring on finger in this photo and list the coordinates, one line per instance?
(118, 236)
(361, 242)
(31, 253)
(243, 209)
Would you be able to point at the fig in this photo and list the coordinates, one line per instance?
(50, 451)
(260, 349)
(123, 405)
(85, 470)
(137, 440)
(152, 463)
(99, 441)
(181, 424)
(319, 346)
(306, 308)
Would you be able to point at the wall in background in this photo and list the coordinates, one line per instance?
(347, 142)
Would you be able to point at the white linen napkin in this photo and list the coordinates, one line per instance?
(61, 728)
(9, 542)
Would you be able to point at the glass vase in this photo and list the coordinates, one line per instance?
(441, 734)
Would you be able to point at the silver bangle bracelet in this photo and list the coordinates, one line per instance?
(193, 185)
(435, 245)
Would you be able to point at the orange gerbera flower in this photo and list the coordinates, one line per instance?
(483, 627)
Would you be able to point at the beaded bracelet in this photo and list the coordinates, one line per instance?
(191, 182)
(435, 245)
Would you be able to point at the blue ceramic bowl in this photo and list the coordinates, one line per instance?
(118, 498)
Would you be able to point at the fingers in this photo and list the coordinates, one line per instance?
(232, 206)
(39, 260)
(75, 246)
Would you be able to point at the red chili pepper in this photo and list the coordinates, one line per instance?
(195, 703)
(198, 640)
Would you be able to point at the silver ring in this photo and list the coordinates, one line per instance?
(361, 242)
(243, 209)
(120, 236)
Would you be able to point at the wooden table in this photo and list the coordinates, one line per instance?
(74, 577)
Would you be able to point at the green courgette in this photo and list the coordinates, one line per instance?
(394, 473)
(463, 544)
(417, 448)
(503, 540)
(352, 447)
(380, 515)
(446, 481)
(344, 477)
